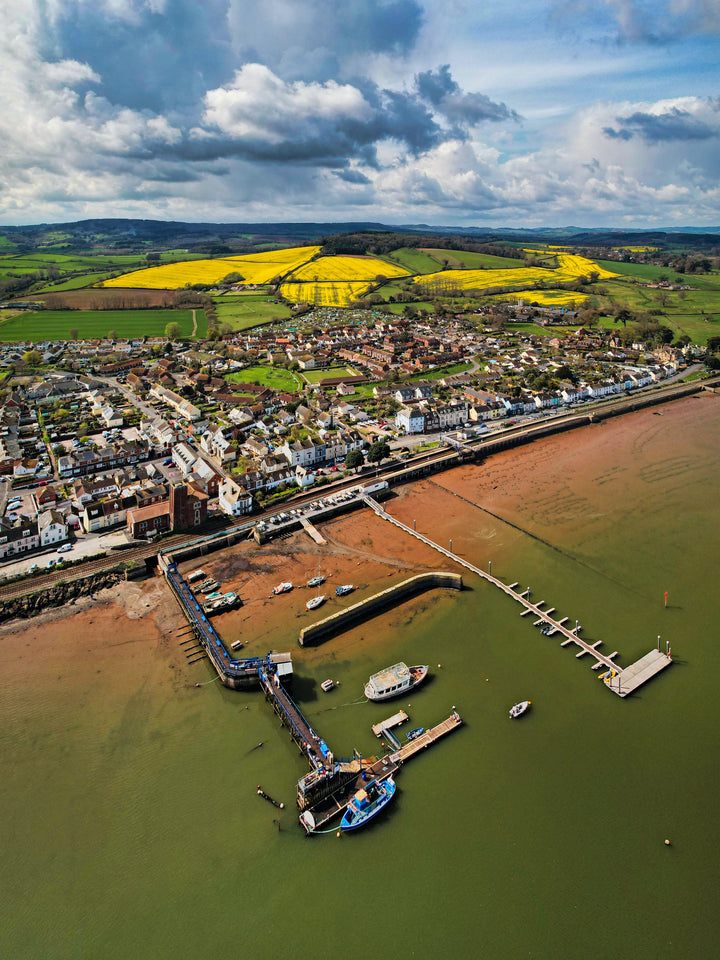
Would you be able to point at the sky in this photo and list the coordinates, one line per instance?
(445, 112)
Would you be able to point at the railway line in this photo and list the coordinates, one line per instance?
(415, 467)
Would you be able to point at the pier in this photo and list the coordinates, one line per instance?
(621, 681)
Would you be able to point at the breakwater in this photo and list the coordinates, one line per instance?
(365, 609)
(59, 594)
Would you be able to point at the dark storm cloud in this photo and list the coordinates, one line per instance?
(352, 176)
(461, 109)
(673, 124)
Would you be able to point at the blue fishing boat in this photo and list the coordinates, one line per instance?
(367, 803)
(414, 734)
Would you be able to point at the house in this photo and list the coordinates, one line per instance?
(184, 458)
(18, 538)
(410, 419)
(149, 521)
(233, 499)
(217, 446)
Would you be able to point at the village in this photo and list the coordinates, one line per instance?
(149, 436)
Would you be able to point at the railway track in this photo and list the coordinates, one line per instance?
(390, 472)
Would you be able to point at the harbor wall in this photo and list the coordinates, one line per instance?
(365, 609)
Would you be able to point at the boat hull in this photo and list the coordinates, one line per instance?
(417, 674)
(519, 709)
(359, 813)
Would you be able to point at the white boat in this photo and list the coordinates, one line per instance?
(519, 709)
(327, 685)
(316, 581)
(315, 602)
(283, 587)
(394, 681)
(345, 588)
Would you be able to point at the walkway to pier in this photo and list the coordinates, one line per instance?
(314, 748)
(313, 532)
(636, 677)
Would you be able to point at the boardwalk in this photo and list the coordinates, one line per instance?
(636, 674)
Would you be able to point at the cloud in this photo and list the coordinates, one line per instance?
(700, 120)
(462, 109)
(654, 22)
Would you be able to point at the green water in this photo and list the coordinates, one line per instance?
(131, 826)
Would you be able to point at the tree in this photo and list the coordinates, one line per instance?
(112, 335)
(73, 333)
(173, 331)
(378, 451)
(355, 459)
(33, 358)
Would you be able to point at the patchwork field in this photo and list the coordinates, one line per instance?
(254, 268)
(90, 324)
(249, 311)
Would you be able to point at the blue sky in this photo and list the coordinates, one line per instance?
(541, 113)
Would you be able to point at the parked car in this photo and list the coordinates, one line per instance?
(168, 462)
(65, 547)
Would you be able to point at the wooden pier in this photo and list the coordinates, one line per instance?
(394, 721)
(625, 680)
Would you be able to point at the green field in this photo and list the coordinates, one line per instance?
(74, 283)
(415, 260)
(57, 324)
(457, 259)
(243, 311)
(276, 377)
(315, 376)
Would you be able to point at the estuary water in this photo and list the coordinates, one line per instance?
(131, 826)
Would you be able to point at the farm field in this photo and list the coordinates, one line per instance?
(253, 267)
(333, 269)
(340, 294)
(457, 259)
(547, 298)
(41, 325)
(276, 377)
(570, 267)
(249, 311)
(416, 261)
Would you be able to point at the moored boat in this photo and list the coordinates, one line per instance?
(519, 709)
(367, 803)
(414, 734)
(315, 602)
(283, 587)
(345, 588)
(316, 581)
(327, 685)
(394, 681)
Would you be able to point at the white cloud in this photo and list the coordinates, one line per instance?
(260, 106)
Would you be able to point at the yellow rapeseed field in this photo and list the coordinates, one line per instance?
(254, 267)
(340, 294)
(570, 267)
(547, 298)
(347, 268)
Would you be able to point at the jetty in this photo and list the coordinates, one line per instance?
(622, 681)
(326, 791)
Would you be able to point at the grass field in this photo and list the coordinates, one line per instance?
(315, 376)
(416, 261)
(457, 259)
(276, 377)
(90, 324)
(249, 311)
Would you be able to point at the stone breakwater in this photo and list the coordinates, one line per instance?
(58, 595)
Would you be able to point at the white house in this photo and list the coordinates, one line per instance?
(233, 499)
(51, 528)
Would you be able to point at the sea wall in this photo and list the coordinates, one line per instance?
(58, 595)
(330, 626)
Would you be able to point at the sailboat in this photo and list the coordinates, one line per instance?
(316, 581)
